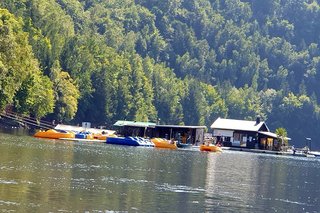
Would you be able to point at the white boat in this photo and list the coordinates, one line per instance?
(316, 154)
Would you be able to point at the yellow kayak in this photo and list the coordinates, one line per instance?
(210, 148)
(103, 136)
(163, 143)
(54, 134)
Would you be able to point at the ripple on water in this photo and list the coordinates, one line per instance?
(8, 203)
(8, 182)
(292, 202)
(178, 188)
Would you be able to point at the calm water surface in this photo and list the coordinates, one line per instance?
(38, 175)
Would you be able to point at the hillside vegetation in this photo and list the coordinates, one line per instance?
(170, 61)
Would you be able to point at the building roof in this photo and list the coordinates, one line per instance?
(232, 124)
(135, 124)
(153, 125)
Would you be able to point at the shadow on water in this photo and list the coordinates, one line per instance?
(17, 131)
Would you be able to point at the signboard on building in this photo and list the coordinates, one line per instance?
(223, 133)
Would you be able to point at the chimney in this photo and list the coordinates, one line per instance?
(257, 120)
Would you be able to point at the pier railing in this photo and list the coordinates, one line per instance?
(26, 121)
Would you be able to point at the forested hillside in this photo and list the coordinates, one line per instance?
(170, 61)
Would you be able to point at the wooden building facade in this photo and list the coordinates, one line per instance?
(246, 134)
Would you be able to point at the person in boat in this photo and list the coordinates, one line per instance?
(172, 141)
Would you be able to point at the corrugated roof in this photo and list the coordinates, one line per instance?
(232, 124)
(135, 124)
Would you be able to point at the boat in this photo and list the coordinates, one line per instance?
(82, 140)
(316, 154)
(129, 141)
(54, 134)
(184, 145)
(103, 137)
(84, 135)
(210, 148)
(163, 143)
(100, 137)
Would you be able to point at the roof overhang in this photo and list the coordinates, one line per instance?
(271, 134)
(135, 124)
(181, 127)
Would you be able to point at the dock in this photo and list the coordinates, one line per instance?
(271, 152)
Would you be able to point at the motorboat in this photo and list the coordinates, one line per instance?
(129, 141)
(163, 143)
(54, 134)
(210, 148)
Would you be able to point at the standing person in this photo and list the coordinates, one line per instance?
(293, 150)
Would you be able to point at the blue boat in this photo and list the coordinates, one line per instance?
(83, 135)
(184, 145)
(129, 141)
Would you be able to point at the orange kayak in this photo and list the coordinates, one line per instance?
(210, 148)
(54, 134)
(163, 143)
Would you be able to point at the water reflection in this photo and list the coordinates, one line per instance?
(246, 182)
(49, 176)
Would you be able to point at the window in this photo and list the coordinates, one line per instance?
(236, 136)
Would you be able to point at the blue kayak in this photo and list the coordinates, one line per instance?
(129, 141)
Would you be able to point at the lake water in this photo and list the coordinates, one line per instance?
(38, 175)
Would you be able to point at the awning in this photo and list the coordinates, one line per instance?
(271, 134)
(181, 127)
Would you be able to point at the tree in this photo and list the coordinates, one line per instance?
(22, 82)
(66, 94)
(282, 136)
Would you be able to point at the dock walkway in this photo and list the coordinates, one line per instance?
(290, 153)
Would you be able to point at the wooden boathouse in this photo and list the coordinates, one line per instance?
(245, 134)
(185, 134)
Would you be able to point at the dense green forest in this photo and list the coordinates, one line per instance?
(170, 61)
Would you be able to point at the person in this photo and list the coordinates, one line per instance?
(172, 141)
(197, 142)
(189, 139)
(293, 149)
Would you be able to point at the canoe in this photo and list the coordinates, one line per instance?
(163, 143)
(210, 148)
(129, 141)
(54, 134)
